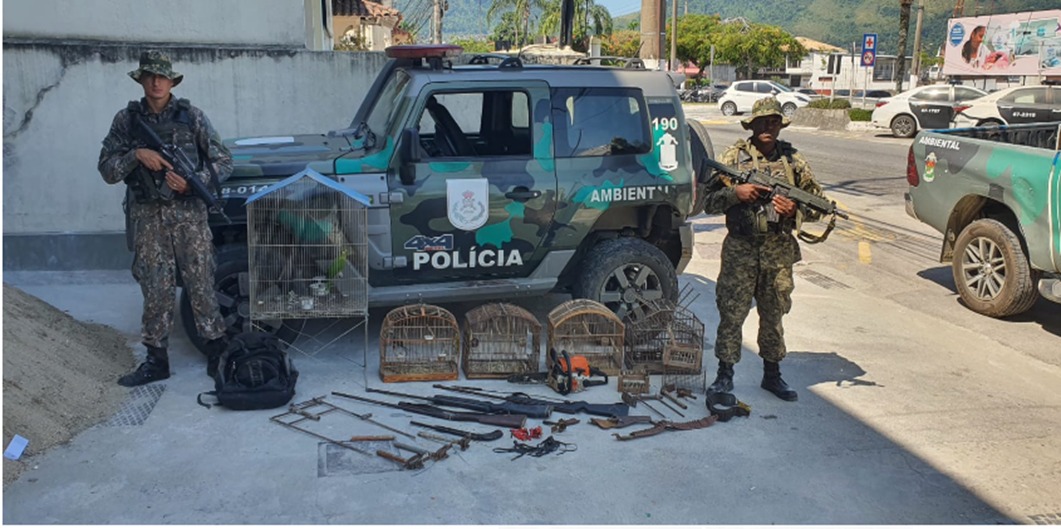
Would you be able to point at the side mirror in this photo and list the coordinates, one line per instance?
(408, 154)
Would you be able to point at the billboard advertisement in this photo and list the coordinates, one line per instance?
(1026, 43)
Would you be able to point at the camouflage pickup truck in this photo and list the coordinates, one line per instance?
(995, 195)
(571, 179)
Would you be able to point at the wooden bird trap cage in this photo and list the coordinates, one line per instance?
(634, 383)
(665, 337)
(588, 328)
(500, 340)
(308, 250)
(417, 343)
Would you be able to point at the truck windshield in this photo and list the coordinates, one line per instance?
(388, 103)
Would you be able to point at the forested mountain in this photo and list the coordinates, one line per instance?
(837, 22)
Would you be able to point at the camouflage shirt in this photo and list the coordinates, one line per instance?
(743, 156)
(117, 158)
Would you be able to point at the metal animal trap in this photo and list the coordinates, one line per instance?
(500, 340)
(665, 334)
(308, 245)
(634, 383)
(419, 342)
(588, 328)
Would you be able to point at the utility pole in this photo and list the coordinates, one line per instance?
(674, 35)
(650, 31)
(915, 74)
(904, 30)
(436, 22)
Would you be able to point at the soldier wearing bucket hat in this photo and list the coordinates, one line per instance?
(759, 249)
(166, 224)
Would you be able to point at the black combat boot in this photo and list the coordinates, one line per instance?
(214, 348)
(724, 381)
(773, 382)
(155, 367)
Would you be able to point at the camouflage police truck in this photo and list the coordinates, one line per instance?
(995, 195)
(494, 179)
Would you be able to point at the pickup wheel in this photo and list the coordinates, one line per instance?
(904, 126)
(701, 147)
(624, 274)
(729, 108)
(234, 302)
(991, 271)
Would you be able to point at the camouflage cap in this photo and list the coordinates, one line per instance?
(767, 106)
(158, 63)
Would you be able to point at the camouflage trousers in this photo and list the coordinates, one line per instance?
(168, 237)
(758, 269)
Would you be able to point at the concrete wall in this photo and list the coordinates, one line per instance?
(60, 97)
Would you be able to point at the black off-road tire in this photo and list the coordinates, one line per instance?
(904, 126)
(701, 147)
(991, 272)
(624, 273)
(234, 305)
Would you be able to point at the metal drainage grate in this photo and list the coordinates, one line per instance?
(335, 460)
(821, 280)
(1046, 519)
(138, 406)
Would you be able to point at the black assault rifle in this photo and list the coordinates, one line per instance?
(183, 167)
(784, 188)
(618, 409)
(533, 411)
(503, 421)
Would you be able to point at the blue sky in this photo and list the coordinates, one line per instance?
(619, 8)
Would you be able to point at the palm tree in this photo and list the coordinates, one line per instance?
(585, 12)
(524, 10)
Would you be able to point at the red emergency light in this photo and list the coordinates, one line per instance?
(423, 51)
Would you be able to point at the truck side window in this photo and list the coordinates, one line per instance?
(484, 123)
(599, 122)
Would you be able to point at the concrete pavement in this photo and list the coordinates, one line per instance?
(857, 447)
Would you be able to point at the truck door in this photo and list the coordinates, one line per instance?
(1026, 105)
(933, 107)
(480, 196)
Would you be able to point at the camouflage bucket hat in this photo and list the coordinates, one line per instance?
(157, 63)
(767, 106)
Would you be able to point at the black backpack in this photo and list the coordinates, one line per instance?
(254, 373)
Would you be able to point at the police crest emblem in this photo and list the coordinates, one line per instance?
(468, 203)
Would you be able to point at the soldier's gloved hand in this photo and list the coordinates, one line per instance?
(152, 160)
(750, 192)
(175, 182)
(784, 206)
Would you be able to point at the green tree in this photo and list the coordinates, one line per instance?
(696, 34)
(622, 43)
(524, 10)
(754, 46)
(591, 19)
(507, 30)
(475, 45)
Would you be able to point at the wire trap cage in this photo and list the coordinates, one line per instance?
(308, 250)
(664, 335)
(418, 343)
(500, 339)
(588, 328)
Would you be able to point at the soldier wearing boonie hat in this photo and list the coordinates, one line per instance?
(166, 224)
(759, 249)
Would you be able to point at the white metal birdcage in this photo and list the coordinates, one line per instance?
(308, 245)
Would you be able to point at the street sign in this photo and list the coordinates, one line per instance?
(869, 49)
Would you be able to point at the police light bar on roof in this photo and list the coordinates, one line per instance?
(424, 51)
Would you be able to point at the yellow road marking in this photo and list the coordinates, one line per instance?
(864, 254)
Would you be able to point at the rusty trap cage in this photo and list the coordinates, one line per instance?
(308, 250)
(664, 337)
(418, 343)
(588, 328)
(500, 339)
(634, 382)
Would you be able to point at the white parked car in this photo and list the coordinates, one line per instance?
(924, 107)
(741, 95)
(1018, 104)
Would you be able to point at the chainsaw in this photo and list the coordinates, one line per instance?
(571, 374)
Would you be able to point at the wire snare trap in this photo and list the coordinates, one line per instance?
(418, 343)
(667, 337)
(500, 339)
(590, 329)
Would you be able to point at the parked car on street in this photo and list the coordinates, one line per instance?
(809, 92)
(741, 95)
(924, 107)
(1019, 104)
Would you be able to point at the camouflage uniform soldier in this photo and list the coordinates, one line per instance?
(759, 249)
(169, 223)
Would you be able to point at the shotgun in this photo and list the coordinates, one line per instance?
(503, 421)
(569, 407)
(531, 410)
